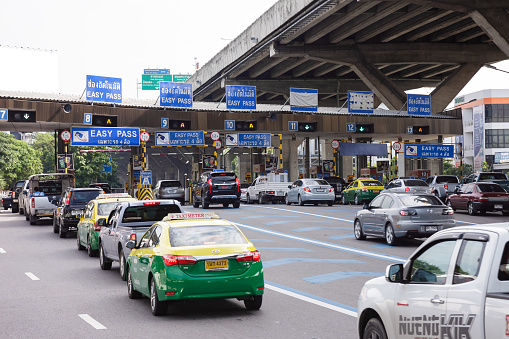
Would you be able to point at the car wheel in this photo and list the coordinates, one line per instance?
(236, 204)
(356, 200)
(374, 330)
(90, 251)
(33, 219)
(61, 233)
(225, 205)
(390, 237)
(55, 225)
(448, 203)
(20, 211)
(158, 307)
(505, 212)
(15, 210)
(103, 262)
(122, 263)
(254, 303)
(78, 243)
(287, 201)
(131, 292)
(330, 203)
(261, 201)
(196, 203)
(26, 217)
(471, 209)
(248, 199)
(343, 200)
(357, 230)
(205, 205)
(301, 203)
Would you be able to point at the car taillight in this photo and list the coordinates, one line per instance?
(33, 203)
(364, 190)
(68, 199)
(133, 237)
(407, 189)
(210, 185)
(331, 189)
(249, 256)
(13, 194)
(446, 187)
(407, 212)
(152, 203)
(306, 189)
(270, 192)
(96, 227)
(238, 184)
(448, 211)
(171, 259)
(483, 199)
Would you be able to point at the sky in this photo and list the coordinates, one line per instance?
(121, 38)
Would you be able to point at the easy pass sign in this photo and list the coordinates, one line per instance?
(104, 136)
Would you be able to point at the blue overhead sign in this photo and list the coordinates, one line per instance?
(3, 114)
(183, 138)
(360, 102)
(146, 177)
(104, 89)
(104, 136)
(429, 151)
(156, 71)
(175, 94)
(418, 104)
(293, 125)
(240, 97)
(304, 99)
(229, 125)
(248, 140)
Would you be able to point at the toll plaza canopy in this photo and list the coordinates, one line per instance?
(385, 47)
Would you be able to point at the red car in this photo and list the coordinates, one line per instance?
(480, 197)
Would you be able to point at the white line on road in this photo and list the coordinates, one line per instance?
(306, 213)
(94, 323)
(2, 250)
(313, 301)
(31, 276)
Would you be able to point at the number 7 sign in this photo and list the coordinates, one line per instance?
(3, 114)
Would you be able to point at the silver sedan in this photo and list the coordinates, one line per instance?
(397, 215)
(408, 186)
(313, 191)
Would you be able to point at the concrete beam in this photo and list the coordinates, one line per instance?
(450, 87)
(469, 35)
(286, 67)
(264, 66)
(325, 69)
(455, 29)
(436, 26)
(411, 25)
(306, 68)
(418, 69)
(398, 68)
(455, 5)
(442, 69)
(495, 22)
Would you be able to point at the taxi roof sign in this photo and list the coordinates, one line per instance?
(184, 216)
(114, 195)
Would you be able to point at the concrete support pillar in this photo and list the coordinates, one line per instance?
(291, 158)
(401, 163)
(307, 160)
(495, 22)
(327, 150)
(346, 166)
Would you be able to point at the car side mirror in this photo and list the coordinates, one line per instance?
(101, 222)
(25, 192)
(366, 207)
(394, 273)
(130, 244)
(290, 186)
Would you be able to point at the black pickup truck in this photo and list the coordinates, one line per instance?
(16, 190)
(7, 201)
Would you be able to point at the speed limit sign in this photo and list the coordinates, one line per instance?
(215, 135)
(334, 144)
(396, 146)
(65, 136)
(218, 144)
(144, 136)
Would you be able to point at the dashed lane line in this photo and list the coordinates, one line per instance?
(31, 276)
(91, 321)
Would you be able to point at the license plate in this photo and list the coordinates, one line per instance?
(224, 187)
(216, 265)
(498, 207)
(376, 191)
(431, 228)
(280, 193)
(75, 212)
(320, 190)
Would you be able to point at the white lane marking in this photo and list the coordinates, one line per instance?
(306, 213)
(2, 250)
(312, 301)
(325, 244)
(94, 323)
(31, 276)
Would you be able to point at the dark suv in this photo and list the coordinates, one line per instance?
(72, 203)
(16, 190)
(217, 188)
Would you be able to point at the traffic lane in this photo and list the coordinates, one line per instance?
(72, 284)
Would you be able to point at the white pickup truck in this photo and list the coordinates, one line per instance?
(262, 190)
(43, 194)
(454, 286)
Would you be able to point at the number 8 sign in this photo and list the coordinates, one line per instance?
(87, 119)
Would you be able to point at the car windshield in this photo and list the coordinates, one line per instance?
(170, 184)
(419, 200)
(415, 183)
(106, 207)
(148, 212)
(371, 183)
(316, 182)
(83, 197)
(492, 176)
(205, 235)
(490, 188)
(451, 179)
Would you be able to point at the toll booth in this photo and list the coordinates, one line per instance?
(422, 174)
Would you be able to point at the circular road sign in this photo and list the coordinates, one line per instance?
(65, 136)
(215, 135)
(334, 144)
(396, 146)
(144, 136)
(218, 144)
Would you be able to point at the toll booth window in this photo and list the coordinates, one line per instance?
(469, 261)
(503, 273)
(205, 235)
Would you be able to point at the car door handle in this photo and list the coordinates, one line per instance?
(437, 300)
(150, 255)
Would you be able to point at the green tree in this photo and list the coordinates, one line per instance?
(19, 160)
(450, 169)
(88, 167)
(45, 145)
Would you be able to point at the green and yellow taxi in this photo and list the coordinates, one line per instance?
(360, 191)
(191, 256)
(88, 229)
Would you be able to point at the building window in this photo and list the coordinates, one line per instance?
(497, 113)
(497, 138)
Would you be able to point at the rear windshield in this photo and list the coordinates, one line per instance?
(49, 187)
(83, 197)
(490, 188)
(223, 178)
(316, 182)
(148, 212)
(492, 176)
(411, 182)
(170, 184)
(371, 183)
(19, 184)
(451, 179)
(419, 200)
(106, 208)
(205, 235)
(244, 185)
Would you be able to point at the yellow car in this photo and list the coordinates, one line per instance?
(361, 191)
(88, 229)
(190, 256)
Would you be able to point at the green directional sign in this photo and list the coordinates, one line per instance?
(151, 81)
(181, 77)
